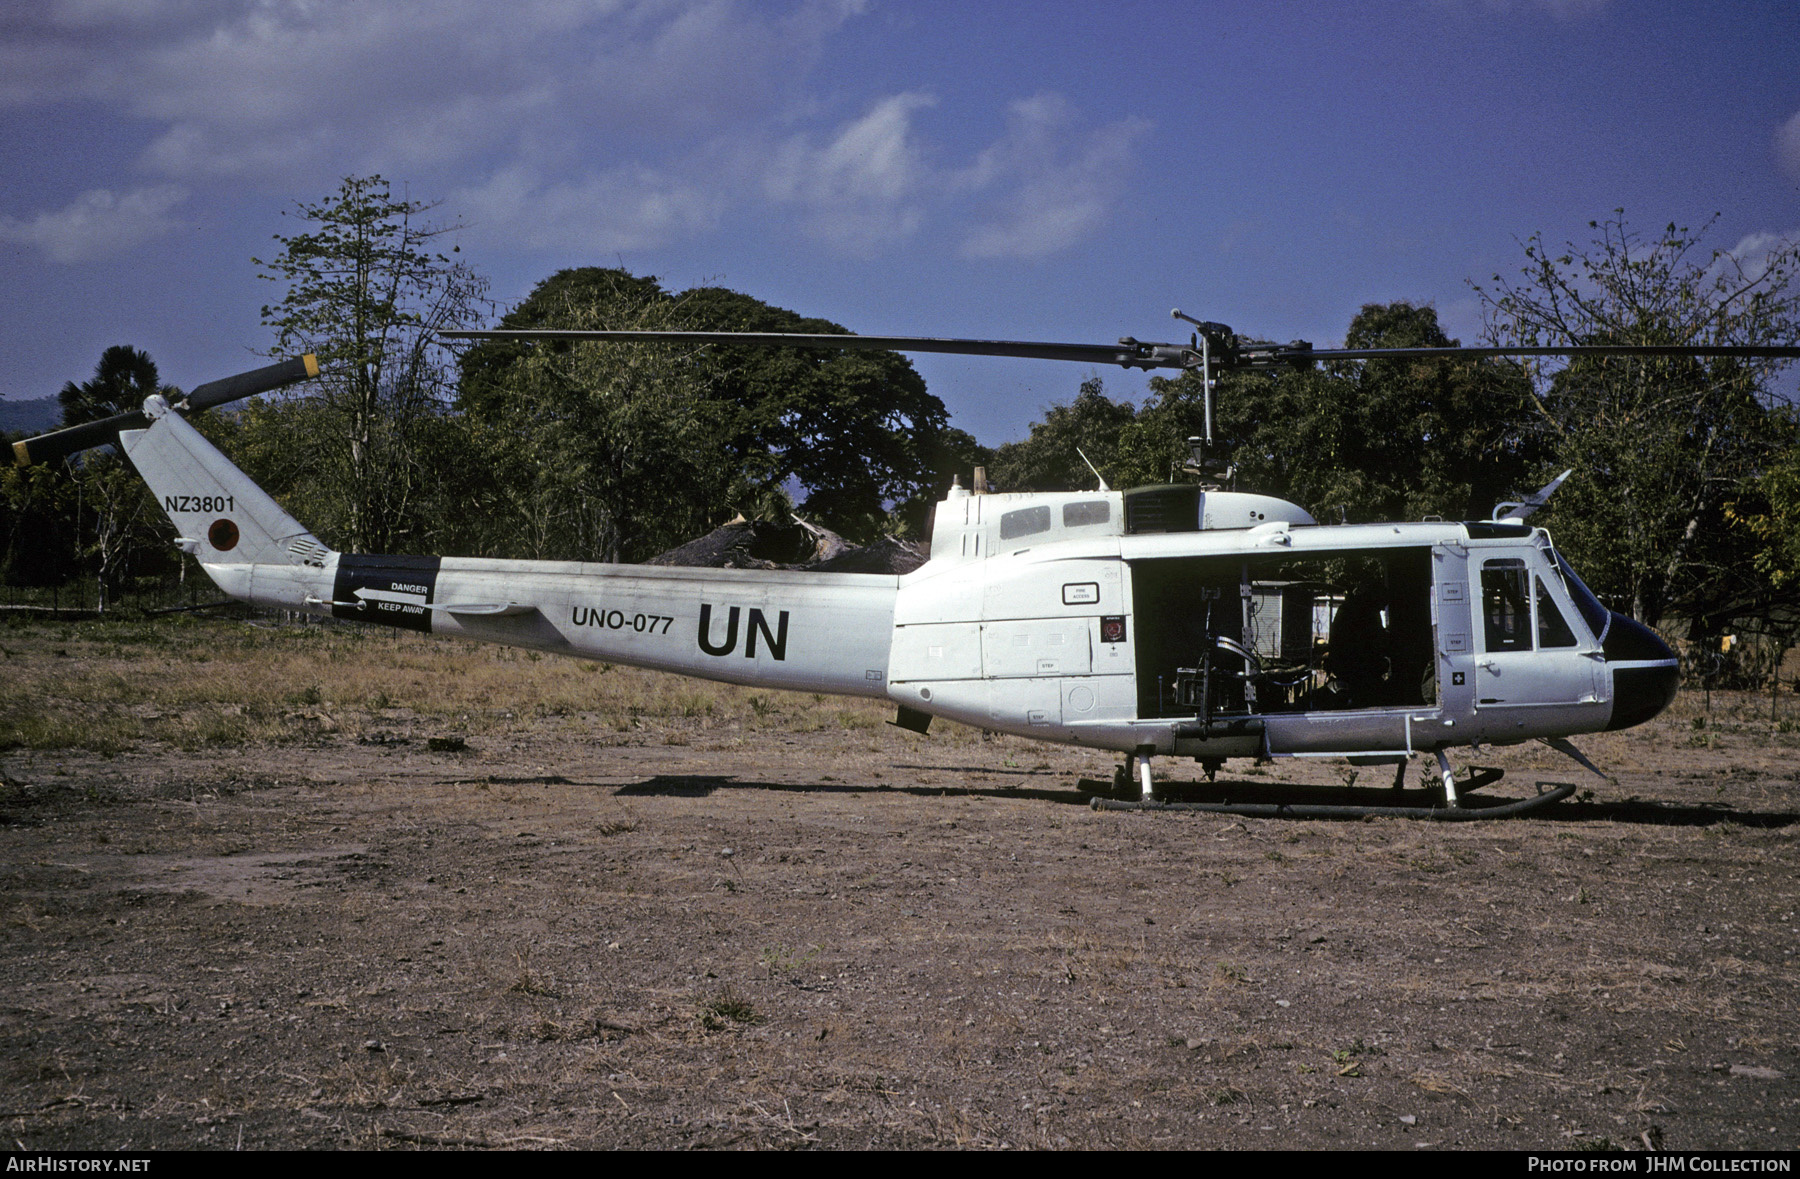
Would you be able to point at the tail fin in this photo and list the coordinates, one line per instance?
(220, 516)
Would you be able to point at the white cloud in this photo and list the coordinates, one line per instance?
(1787, 146)
(554, 124)
(135, 14)
(1045, 185)
(99, 223)
(1749, 260)
(287, 88)
(863, 188)
(1055, 185)
(858, 187)
(627, 208)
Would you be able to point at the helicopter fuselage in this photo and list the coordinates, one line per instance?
(1166, 621)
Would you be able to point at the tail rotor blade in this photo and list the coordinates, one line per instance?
(261, 380)
(47, 448)
(74, 439)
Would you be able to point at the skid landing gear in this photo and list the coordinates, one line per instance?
(1132, 782)
(1479, 776)
(1133, 790)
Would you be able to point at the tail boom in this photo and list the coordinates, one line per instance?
(820, 632)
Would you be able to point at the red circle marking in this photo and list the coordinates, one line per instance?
(223, 535)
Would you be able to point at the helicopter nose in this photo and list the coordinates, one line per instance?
(1645, 672)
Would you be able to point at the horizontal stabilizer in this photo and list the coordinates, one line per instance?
(492, 609)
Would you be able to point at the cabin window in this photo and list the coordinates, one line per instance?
(1025, 522)
(1087, 511)
(1552, 630)
(1506, 605)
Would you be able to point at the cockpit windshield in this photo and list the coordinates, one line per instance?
(1599, 618)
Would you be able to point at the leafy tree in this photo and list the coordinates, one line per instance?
(115, 518)
(38, 525)
(366, 292)
(1768, 511)
(1661, 445)
(1050, 457)
(630, 449)
(1388, 439)
(952, 458)
(601, 452)
(855, 430)
(1372, 440)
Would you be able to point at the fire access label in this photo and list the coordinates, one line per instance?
(394, 591)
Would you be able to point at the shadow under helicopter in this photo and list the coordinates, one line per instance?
(1668, 814)
(1376, 802)
(1353, 804)
(703, 785)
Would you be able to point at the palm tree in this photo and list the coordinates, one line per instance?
(122, 379)
(111, 490)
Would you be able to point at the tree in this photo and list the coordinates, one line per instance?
(600, 452)
(631, 449)
(366, 292)
(1661, 445)
(951, 458)
(38, 525)
(855, 430)
(1396, 439)
(1768, 510)
(122, 379)
(115, 517)
(1050, 458)
(1371, 440)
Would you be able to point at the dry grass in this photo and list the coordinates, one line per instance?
(109, 687)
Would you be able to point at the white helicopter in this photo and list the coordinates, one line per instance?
(1178, 621)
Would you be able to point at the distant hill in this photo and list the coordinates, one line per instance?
(32, 416)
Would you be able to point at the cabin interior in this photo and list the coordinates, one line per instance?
(1255, 634)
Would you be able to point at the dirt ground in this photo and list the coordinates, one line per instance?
(756, 921)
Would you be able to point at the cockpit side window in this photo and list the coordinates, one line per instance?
(1552, 629)
(1506, 605)
(1599, 618)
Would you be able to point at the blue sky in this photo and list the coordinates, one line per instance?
(1034, 171)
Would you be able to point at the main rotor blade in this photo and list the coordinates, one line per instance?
(1772, 351)
(1129, 353)
(1228, 353)
(62, 443)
